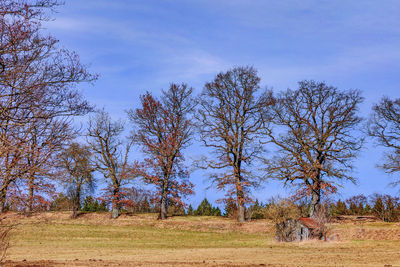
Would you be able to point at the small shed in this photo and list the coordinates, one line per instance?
(297, 230)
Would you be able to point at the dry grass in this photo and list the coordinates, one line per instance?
(53, 239)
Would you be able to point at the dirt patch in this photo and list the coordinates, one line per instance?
(45, 263)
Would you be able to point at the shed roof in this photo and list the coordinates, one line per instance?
(310, 223)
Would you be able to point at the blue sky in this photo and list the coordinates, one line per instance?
(145, 45)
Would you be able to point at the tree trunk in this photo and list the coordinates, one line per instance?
(29, 207)
(240, 199)
(163, 207)
(3, 195)
(115, 205)
(77, 202)
(241, 212)
(2, 201)
(315, 200)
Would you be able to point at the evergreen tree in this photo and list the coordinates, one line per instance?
(92, 205)
(340, 209)
(190, 210)
(206, 209)
(255, 211)
(216, 211)
(367, 209)
(353, 209)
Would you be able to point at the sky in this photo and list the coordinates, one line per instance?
(138, 46)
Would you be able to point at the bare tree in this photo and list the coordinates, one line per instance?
(37, 82)
(384, 126)
(231, 118)
(78, 173)
(316, 136)
(46, 138)
(110, 155)
(163, 130)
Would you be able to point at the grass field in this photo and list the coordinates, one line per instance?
(53, 239)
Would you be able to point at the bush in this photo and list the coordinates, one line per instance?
(282, 210)
(321, 216)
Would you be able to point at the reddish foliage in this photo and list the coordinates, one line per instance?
(163, 131)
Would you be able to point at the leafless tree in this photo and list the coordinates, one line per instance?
(110, 155)
(37, 82)
(45, 138)
(322, 219)
(384, 126)
(163, 130)
(231, 117)
(316, 136)
(78, 172)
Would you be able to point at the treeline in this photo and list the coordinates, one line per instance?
(383, 207)
(314, 129)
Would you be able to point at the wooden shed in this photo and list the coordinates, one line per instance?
(297, 230)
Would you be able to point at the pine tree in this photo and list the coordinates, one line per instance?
(204, 209)
(367, 209)
(353, 209)
(190, 210)
(340, 209)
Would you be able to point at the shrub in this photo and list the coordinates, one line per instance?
(321, 216)
(282, 210)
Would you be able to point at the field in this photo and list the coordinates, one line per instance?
(53, 239)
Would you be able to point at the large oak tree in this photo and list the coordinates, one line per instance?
(384, 126)
(163, 129)
(37, 83)
(231, 117)
(110, 156)
(316, 134)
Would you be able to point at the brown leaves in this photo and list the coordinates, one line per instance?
(163, 129)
